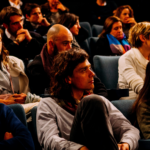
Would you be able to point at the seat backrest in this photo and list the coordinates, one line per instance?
(92, 44)
(106, 68)
(96, 30)
(19, 111)
(34, 131)
(87, 26)
(85, 45)
(125, 107)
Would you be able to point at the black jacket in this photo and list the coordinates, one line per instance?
(25, 50)
(39, 80)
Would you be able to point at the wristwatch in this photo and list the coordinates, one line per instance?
(17, 40)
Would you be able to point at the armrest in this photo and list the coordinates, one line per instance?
(115, 94)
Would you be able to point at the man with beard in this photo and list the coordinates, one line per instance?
(59, 38)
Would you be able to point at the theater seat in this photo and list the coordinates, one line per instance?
(19, 111)
(125, 107)
(85, 45)
(96, 30)
(87, 26)
(106, 68)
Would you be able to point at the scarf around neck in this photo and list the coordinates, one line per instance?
(116, 46)
(46, 59)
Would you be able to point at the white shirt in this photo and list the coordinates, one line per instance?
(9, 35)
(16, 6)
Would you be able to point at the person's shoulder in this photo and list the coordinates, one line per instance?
(127, 55)
(4, 109)
(13, 59)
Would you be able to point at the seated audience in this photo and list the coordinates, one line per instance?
(125, 13)
(14, 3)
(71, 21)
(141, 107)
(34, 19)
(97, 123)
(52, 10)
(132, 65)
(59, 38)
(21, 137)
(100, 10)
(19, 41)
(112, 40)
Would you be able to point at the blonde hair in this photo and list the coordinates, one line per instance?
(141, 28)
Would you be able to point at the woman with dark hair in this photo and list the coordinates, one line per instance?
(100, 10)
(71, 21)
(126, 14)
(112, 40)
(141, 107)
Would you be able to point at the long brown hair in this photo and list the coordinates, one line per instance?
(108, 25)
(119, 10)
(4, 52)
(68, 20)
(144, 93)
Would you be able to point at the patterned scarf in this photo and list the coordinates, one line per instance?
(118, 47)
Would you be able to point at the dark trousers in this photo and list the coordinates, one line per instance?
(91, 126)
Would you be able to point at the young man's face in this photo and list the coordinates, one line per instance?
(16, 23)
(35, 15)
(83, 77)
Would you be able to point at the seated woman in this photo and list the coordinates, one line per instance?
(100, 10)
(71, 21)
(13, 79)
(125, 13)
(112, 40)
(52, 10)
(132, 65)
(141, 107)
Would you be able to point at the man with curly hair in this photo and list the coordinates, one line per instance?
(74, 118)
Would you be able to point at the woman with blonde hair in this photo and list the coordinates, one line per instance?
(132, 65)
(126, 14)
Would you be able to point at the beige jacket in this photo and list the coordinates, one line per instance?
(16, 68)
(132, 69)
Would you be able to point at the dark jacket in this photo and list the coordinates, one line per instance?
(10, 123)
(39, 80)
(102, 47)
(42, 30)
(25, 50)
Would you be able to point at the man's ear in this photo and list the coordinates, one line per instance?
(5, 25)
(68, 80)
(142, 38)
(50, 47)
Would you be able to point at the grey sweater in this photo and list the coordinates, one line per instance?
(54, 126)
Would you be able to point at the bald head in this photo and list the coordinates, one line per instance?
(60, 37)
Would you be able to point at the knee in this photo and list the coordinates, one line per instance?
(93, 101)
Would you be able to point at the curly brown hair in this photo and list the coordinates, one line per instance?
(4, 52)
(63, 65)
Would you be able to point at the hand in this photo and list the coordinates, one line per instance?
(123, 146)
(20, 38)
(84, 148)
(61, 6)
(44, 22)
(24, 32)
(130, 21)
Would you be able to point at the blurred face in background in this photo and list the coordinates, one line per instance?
(75, 29)
(53, 3)
(117, 30)
(125, 15)
(16, 2)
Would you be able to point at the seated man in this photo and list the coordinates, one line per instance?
(21, 139)
(59, 38)
(97, 123)
(34, 19)
(18, 41)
